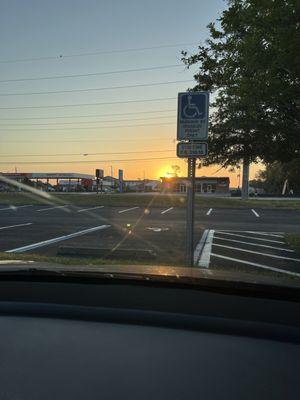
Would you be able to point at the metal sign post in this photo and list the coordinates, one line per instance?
(190, 212)
(192, 133)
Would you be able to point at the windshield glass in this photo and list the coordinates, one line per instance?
(152, 134)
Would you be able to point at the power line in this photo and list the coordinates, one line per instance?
(90, 104)
(87, 161)
(85, 154)
(96, 53)
(94, 89)
(87, 127)
(91, 116)
(122, 71)
(88, 122)
(89, 140)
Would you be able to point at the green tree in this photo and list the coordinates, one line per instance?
(176, 170)
(277, 173)
(250, 63)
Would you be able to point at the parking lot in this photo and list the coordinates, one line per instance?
(243, 239)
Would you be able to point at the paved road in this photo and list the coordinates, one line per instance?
(226, 238)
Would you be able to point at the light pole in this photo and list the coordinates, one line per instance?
(239, 176)
(111, 177)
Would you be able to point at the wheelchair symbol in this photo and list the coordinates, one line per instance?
(191, 110)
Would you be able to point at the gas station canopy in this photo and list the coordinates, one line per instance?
(48, 175)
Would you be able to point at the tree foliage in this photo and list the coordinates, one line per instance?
(275, 174)
(251, 64)
(176, 170)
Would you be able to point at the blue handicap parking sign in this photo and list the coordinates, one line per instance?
(192, 122)
(193, 106)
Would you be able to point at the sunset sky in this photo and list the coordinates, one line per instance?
(51, 132)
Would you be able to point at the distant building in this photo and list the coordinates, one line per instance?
(203, 184)
(152, 185)
(145, 185)
(133, 185)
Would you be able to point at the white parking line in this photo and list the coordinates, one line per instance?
(128, 209)
(57, 239)
(199, 246)
(265, 234)
(15, 226)
(167, 210)
(255, 264)
(256, 252)
(279, 234)
(88, 209)
(250, 237)
(254, 244)
(51, 208)
(205, 256)
(255, 213)
(209, 211)
(14, 208)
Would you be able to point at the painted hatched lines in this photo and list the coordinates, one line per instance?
(15, 226)
(167, 210)
(262, 233)
(255, 244)
(57, 239)
(209, 211)
(89, 209)
(256, 252)
(237, 260)
(255, 213)
(250, 237)
(272, 234)
(236, 250)
(128, 209)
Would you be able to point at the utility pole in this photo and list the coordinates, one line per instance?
(239, 176)
(111, 176)
(245, 180)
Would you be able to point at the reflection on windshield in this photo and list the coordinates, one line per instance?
(92, 170)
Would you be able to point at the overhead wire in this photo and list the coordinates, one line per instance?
(86, 161)
(86, 154)
(89, 140)
(122, 71)
(88, 122)
(86, 128)
(89, 104)
(89, 115)
(97, 52)
(94, 89)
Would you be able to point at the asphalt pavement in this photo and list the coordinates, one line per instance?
(251, 239)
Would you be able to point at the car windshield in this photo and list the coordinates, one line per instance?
(154, 133)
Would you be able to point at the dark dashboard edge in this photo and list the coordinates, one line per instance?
(209, 284)
(250, 329)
